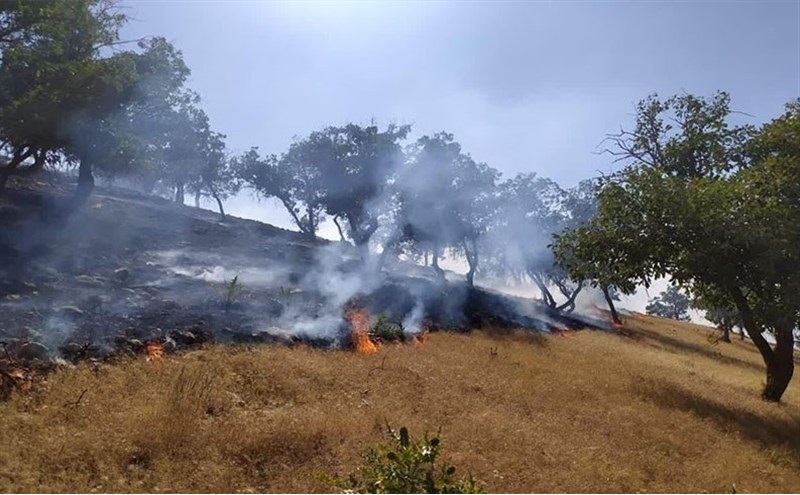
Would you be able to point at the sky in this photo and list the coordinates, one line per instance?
(524, 86)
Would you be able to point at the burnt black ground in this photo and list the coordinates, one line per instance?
(131, 268)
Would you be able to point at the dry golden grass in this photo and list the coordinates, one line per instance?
(658, 410)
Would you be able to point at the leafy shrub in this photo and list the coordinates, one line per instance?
(406, 466)
(385, 330)
(230, 292)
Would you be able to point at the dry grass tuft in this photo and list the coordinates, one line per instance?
(658, 408)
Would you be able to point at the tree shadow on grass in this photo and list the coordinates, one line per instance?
(703, 350)
(769, 433)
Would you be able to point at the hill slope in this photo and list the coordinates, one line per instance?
(654, 406)
(656, 409)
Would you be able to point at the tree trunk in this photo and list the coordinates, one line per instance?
(610, 302)
(780, 361)
(547, 297)
(435, 262)
(218, 200)
(219, 205)
(11, 167)
(339, 228)
(179, 196)
(85, 185)
(197, 199)
(726, 333)
(471, 277)
(569, 305)
(361, 233)
(471, 253)
(290, 208)
(781, 369)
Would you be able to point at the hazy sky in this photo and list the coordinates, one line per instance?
(524, 86)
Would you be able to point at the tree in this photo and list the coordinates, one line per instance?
(718, 310)
(151, 118)
(672, 303)
(339, 171)
(445, 200)
(530, 211)
(218, 177)
(292, 179)
(189, 150)
(589, 252)
(355, 164)
(713, 206)
(58, 89)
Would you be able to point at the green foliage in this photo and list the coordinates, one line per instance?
(230, 292)
(406, 466)
(385, 330)
(58, 88)
(719, 309)
(292, 179)
(66, 96)
(445, 198)
(671, 303)
(531, 209)
(712, 206)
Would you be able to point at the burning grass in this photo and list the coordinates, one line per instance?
(657, 409)
(359, 318)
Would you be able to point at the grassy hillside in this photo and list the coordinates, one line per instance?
(655, 408)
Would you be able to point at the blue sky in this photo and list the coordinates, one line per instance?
(524, 86)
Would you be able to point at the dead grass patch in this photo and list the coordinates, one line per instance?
(664, 412)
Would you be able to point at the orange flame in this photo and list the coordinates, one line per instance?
(155, 352)
(359, 320)
(606, 315)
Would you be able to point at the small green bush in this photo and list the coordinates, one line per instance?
(230, 292)
(385, 330)
(406, 466)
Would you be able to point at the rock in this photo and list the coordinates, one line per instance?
(122, 274)
(135, 344)
(33, 350)
(93, 303)
(89, 280)
(75, 352)
(191, 336)
(169, 344)
(70, 310)
(70, 349)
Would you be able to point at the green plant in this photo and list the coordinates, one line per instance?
(385, 330)
(231, 292)
(406, 466)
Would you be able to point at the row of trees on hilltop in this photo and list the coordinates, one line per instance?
(424, 199)
(74, 94)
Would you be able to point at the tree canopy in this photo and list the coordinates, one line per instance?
(446, 199)
(710, 204)
(671, 303)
